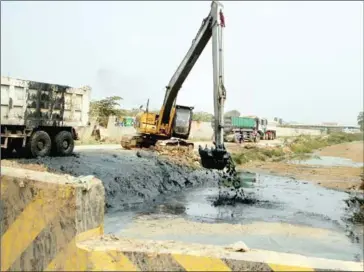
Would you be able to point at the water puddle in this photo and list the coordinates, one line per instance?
(280, 214)
(328, 161)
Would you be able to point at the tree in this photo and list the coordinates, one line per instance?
(102, 109)
(202, 116)
(232, 113)
(361, 120)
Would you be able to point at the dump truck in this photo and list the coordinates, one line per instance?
(39, 118)
(252, 128)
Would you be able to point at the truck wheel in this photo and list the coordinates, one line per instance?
(40, 144)
(64, 143)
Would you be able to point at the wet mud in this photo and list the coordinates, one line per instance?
(128, 177)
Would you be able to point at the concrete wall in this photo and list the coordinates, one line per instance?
(287, 132)
(203, 131)
(199, 131)
(55, 223)
(44, 215)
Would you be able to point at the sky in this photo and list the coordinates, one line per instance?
(300, 61)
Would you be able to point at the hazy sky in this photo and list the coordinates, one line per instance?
(300, 61)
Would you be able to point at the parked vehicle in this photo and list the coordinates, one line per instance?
(252, 128)
(40, 118)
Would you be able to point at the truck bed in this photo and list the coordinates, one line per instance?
(31, 104)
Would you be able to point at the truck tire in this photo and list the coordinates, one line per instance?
(40, 144)
(64, 143)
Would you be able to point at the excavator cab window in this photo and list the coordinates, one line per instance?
(182, 122)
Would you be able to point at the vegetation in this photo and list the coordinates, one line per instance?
(306, 144)
(299, 147)
(360, 120)
(102, 109)
(254, 153)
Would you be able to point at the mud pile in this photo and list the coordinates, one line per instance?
(180, 155)
(355, 208)
(128, 177)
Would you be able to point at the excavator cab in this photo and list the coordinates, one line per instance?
(182, 122)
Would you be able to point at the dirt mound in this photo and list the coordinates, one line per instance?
(355, 207)
(180, 155)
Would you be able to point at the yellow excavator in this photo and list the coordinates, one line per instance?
(174, 121)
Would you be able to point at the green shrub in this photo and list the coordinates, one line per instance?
(301, 146)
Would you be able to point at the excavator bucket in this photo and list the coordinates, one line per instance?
(215, 157)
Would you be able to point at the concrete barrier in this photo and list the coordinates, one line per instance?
(44, 215)
(113, 253)
(55, 223)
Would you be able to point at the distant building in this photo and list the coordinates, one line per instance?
(331, 124)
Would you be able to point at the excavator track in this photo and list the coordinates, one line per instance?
(140, 141)
(136, 141)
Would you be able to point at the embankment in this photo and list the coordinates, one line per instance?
(127, 178)
(278, 160)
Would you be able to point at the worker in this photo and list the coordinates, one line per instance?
(241, 136)
(255, 133)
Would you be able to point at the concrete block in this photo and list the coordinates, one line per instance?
(121, 254)
(43, 215)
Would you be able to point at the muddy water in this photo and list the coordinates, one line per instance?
(282, 214)
(328, 161)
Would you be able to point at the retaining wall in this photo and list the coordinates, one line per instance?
(199, 131)
(121, 254)
(43, 216)
(55, 222)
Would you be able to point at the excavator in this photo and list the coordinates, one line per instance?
(174, 121)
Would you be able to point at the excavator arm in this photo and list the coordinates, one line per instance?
(212, 27)
(217, 157)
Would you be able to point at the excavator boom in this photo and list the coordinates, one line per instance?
(211, 28)
(175, 121)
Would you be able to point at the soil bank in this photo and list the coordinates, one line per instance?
(129, 177)
(353, 151)
(334, 177)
